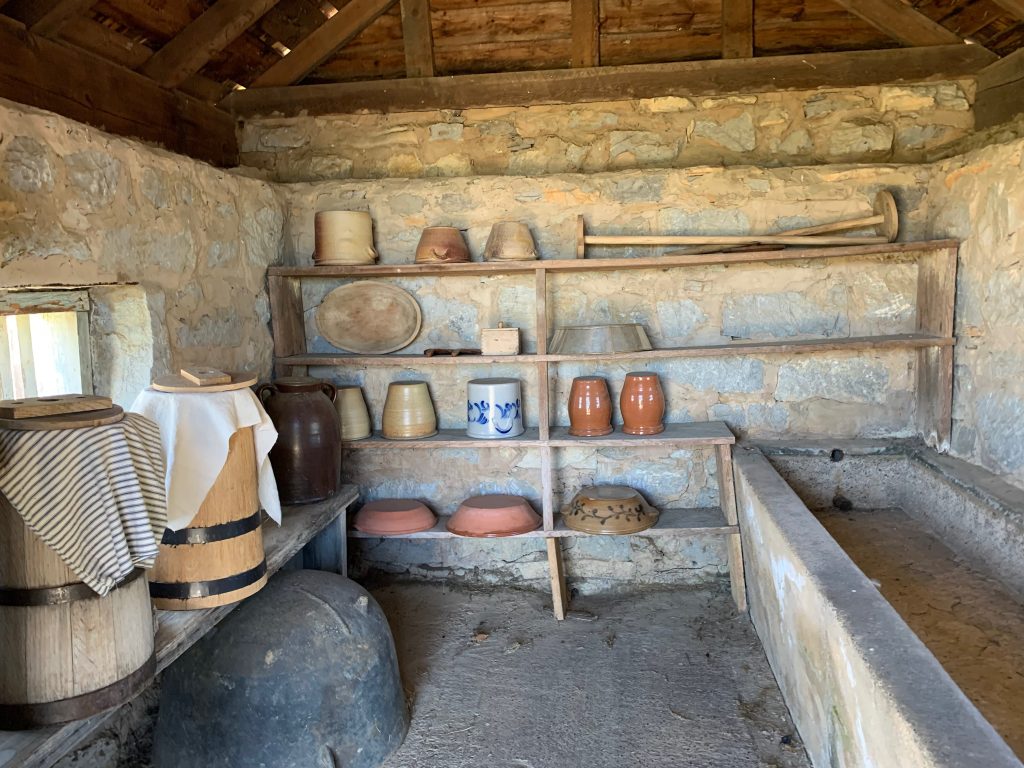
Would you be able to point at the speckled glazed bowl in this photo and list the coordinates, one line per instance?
(390, 517)
(609, 510)
(494, 514)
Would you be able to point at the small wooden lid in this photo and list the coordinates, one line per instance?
(173, 382)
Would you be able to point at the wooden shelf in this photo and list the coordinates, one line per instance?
(448, 438)
(592, 265)
(689, 433)
(672, 522)
(775, 346)
(177, 632)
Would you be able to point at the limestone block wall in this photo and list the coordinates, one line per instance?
(979, 198)
(786, 128)
(176, 250)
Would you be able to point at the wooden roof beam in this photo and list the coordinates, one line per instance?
(1014, 7)
(901, 22)
(418, 38)
(637, 81)
(47, 74)
(47, 17)
(586, 33)
(211, 32)
(737, 29)
(334, 33)
(1000, 91)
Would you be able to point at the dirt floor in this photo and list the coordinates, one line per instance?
(971, 624)
(656, 678)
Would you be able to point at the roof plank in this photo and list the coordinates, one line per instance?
(418, 38)
(561, 86)
(211, 32)
(47, 17)
(337, 31)
(1013, 7)
(737, 29)
(902, 22)
(586, 33)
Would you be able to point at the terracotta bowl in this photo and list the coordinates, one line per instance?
(494, 514)
(390, 517)
(609, 510)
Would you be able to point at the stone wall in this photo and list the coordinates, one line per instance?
(783, 128)
(177, 249)
(979, 199)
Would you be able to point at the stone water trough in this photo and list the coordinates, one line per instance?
(891, 614)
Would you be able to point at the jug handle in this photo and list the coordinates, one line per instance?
(262, 388)
(329, 389)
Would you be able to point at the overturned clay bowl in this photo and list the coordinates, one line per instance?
(609, 510)
(494, 514)
(391, 517)
(599, 339)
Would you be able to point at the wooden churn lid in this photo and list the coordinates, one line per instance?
(203, 379)
(71, 411)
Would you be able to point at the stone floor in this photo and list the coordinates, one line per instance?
(655, 678)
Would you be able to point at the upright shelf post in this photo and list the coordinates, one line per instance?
(727, 499)
(936, 298)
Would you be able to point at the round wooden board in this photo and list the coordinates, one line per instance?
(80, 420)
(885, 206)
(173, 382)
(369, 318)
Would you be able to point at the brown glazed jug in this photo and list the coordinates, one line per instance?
(590, 407)
(642, 403)
(307, 455)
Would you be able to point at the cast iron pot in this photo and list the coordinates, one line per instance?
(307, 455)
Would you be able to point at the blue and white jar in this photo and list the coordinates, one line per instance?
(494, 408)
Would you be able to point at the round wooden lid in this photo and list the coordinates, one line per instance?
(885, 206)
(173, 382)
(80, 420)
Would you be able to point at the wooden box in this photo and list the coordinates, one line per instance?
(499, 341)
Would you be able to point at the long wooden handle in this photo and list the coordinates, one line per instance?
(835, 226)
(622, 240)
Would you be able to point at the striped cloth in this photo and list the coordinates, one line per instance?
(95, 495)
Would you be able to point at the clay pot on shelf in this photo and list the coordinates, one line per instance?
(408, 411)
(510, 241)
(343, 238)
(307, 455)
(642, 404)
(494, 408)
(609, 510)
(355, 418)
(590, 407)
(393, 517)
(494, 514)
(441, 244)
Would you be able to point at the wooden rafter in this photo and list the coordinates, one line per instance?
(418, 38)
(639, 81)
(209, 34)
(47, 17)
(334, 33)
(1014, 7)
(586, 33)
(901, 22)
(737, 29)
(47, 74)
(1000, 91)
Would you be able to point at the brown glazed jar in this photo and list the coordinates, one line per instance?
(307, 455)
(590, 407)
(642, 404)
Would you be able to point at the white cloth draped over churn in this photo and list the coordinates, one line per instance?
(195, 429)
(94, 495)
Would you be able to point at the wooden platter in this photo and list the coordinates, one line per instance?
(54, 405)
(369, 318)
(81, 420)
(173, 382)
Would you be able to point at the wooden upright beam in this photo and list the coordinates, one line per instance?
(50, 75)
(418, 38)
(737, 29)
(586, 33)
(901, 22)
(637, 81)
(211, 32)
(334, 33)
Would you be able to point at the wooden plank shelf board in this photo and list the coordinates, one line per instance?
(448, 438)
(774, 346)
(689, 433)
(698, 521)
(894, 250)
(177, 631)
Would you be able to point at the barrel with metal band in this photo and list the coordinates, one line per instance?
(218, 559)
(65, 652)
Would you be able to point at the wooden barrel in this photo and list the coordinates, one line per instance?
(65, 652)
(219, 558)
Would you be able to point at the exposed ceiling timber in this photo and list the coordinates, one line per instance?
(418, 38)
(1000, 91)
(586, 33)
(902, 22)
(46, 17)
(333, 34)
(1016, 7)
(638, 81)
(210, 33)
(737, 29)
(1008, 69)
(50, 75)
